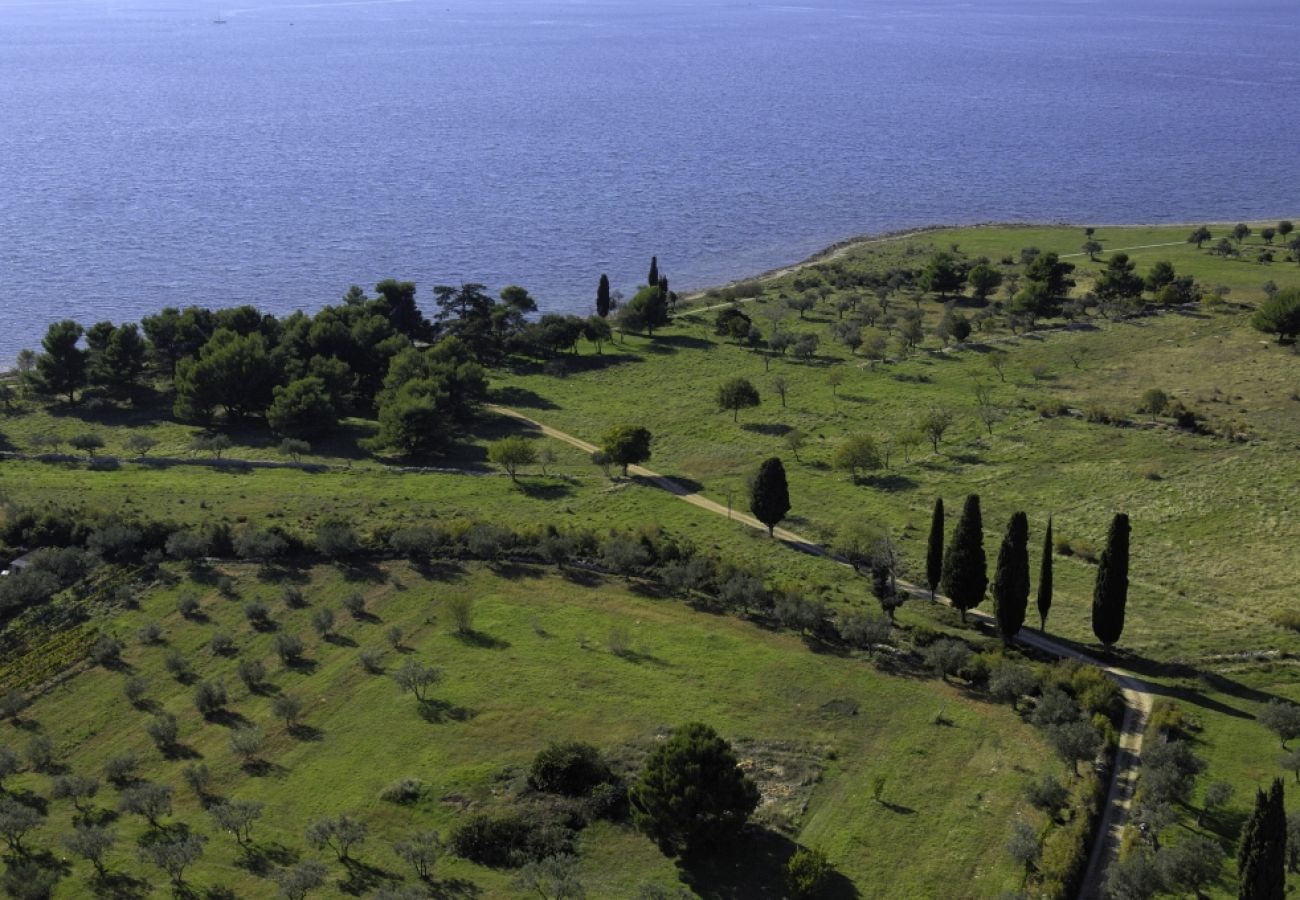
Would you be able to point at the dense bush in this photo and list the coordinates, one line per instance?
(571, 768)
(510, 839)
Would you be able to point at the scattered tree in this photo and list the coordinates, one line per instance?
(1261, 855)
(340, 834)
(174, 854)
(1282, 717)
(626, 445)
(934, 423)
(416, 678)
(512, 452)
(237, 817)
(1279, 314)
(92, 843)
(857, 451)
(736, 394)
(419, 850)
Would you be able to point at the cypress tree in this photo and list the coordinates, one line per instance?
(1011, 578)
(653, 279)
(1045, 578)
(663, 286)
(1110, 595)
(602, 297)
(934, 551)
(1261, 858)
(965, 571)
(769, 494)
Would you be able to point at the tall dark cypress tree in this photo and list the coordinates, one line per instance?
(1261, 858)
(1110, 595)
(653, 278)
(1045, 578)
(1011, 578)
(965, 570)
(663, 287)
(934, 550)
(769, 494)
(602, 297)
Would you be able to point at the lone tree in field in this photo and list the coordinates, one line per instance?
(1199, 236)
(626, 445)
(769, 494)
(736, 394)
(1011, 578)
(934, 549)
(1045, 579)
(61, 369)
(1279, 314)
(1110, 595)
(692, 795)
(512, 452)
(965, 570)
(1241, 231)
(857, 451)
(1261, 857)
(1282, 717)
(602, 297)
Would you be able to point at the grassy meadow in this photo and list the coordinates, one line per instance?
(537, 667)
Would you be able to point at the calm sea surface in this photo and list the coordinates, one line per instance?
(149, 156)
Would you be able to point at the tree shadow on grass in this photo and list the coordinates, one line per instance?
(263, 859)
(771, 429)
(455, 889)
(280, 573)
(120, 886)
(581, 577)
(436, 712)
(551, 490)
(306, 733)
(754, 869)
(339, 640)
(481, 640)
(362, 570)
(520, 398)
(363, 878)
(227, 718)
(440, 570)
(513, 570)
(891, 482)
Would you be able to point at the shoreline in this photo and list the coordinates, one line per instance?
(841, 247)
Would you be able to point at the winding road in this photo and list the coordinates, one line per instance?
(1137, 694)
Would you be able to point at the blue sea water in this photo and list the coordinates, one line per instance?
(149, 156)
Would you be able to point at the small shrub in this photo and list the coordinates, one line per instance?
(1047, 794)
(807, 872)
(1084, 550)
(293, 597)
(372, 660)
(461, 609)
(210, 698)
(107, 651)
(221, 644)
(619, 640)
(572, 768)
(121, 768)
(355, 603)
(405, 790)
(252, 672)
(226, 587)
(188, 605)
(394, 637)
(135, 690)
(164, 731)
(289, 648)
(246, 742)
(258, 614)
(39, 753)
(1287, 618)
(177, 665)
(150, 633)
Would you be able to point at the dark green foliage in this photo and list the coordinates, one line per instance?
(1279, 314)
(1047, 794)
(736, 394)
(602, 297)
(984, 279)
(428, 395)
(934, 548)
(1281, 717)
(302, 409)
(965, 572)
(769, 493)
(1076, 742)
(646, 311)
(1119, 280)
(1261, 856)
(1199, 236)
(1045, 578)
(396, 303)
(233, 371)
(510, 839)
(116, 357)
(626, 445)
(1011, 578)
(653, 277)
(61, 369)
(946, 657)
(571, 768)
(691, 794)
(943, 274)
(1110, 595)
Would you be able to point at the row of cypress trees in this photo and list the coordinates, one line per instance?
(961, 570)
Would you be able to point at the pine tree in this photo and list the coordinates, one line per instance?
(653, 279)
(1110, 595)
(1011, 578)
(1045, 578)
(602, 297)
(769, 494)
(934, 551)
(1261, 858)
(965, 570)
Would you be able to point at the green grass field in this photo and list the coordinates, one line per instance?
(538, 669)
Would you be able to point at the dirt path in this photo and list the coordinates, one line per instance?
(1137, 694)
